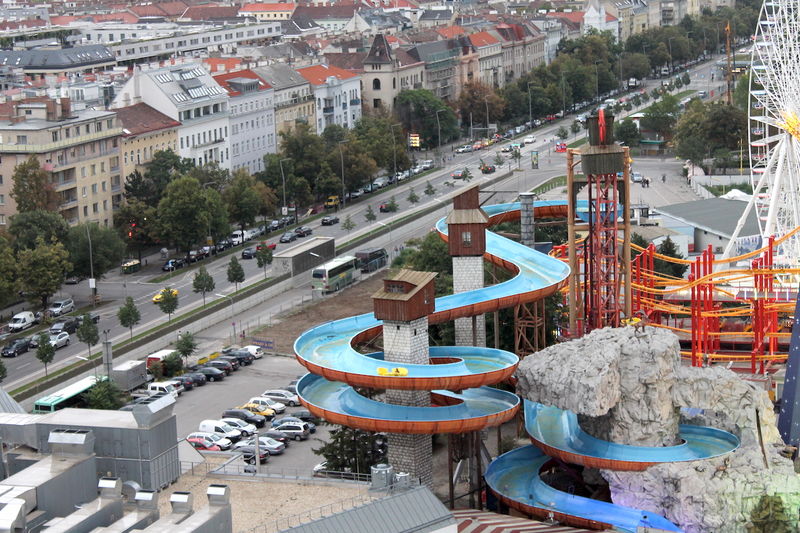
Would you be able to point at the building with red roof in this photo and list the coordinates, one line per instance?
(490, 58)
(337, 93)
(145, 131)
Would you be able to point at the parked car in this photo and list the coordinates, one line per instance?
(223, 245)
(259, 409)
(306, 416)
(254, 350)
(249, 454)
(196, 255)
(220, 365)
(204, 444)
(278, 407)
(222, 442)
(296, 431)
(258, 421)
(246, 428)
(303, 231)
(93, 316)
(22, 321)
(279, 436)
(355, 194)
(185, 380)
(220, 428)
(289, 236)
(68, 323)
(272, 446)
(157, 297)
(211, 373)
(244, 357)
(284, 396)
(330, 221)
(248, 253)
(275, 225)
(61, 307)
(198, 378)
(59, 340)
(16, 347)
(312, 428)
(233, 361)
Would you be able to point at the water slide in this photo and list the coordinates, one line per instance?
(336, 367)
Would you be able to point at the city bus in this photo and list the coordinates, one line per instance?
(334, 275)
(372, 259)
(69, 396)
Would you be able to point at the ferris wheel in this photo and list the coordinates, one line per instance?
(774, 129)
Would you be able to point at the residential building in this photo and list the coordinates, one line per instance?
(337, 93)
(268, 11)
(336, 19)
(252, 119)
(553, 31)
(40, 62)
(387, 72)
(80, 149)
(431, 18)
(188, 94)
(442, 68)
(145, 131)
(490, 58)
(293, 96)
(632, 16)
(523, 48)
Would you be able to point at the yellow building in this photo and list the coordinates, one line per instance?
(145, 131)
(267, 12)
(80, 150)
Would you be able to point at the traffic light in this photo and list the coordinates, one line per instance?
(131, 230)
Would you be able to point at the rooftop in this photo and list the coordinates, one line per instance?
(716, 215)
(58, 58)
(264, 7)
(319, 74)
(240, 81)
(280, 76)
(186, 84)
(141, 118)
(417, 279)
(482, 38)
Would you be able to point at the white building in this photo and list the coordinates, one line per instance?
(188, 94)
(337, 93)
(252, 118)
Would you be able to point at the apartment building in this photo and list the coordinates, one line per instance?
(145, 131)
(264, 11)
(190, 95)
(292, 94)
(252, 118)
(80, 149)
(40, 62)
(386, 72)
(337, 93)
(443, 70)
(490, 58)
(523, 48)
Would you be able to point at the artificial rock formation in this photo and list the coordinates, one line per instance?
(627, 385)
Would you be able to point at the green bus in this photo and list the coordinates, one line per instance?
(334, 275)
(69, 396)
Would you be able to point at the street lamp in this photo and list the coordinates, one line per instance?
(233, 323)
(94, 367)
(283, 180)
(394, 150)
(341, 155)
(92, 282)
(486, 101)
(597, 80)
(530, 106)
(671, 63)
(439, 131)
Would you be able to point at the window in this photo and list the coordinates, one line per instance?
(1, 179)
(95, 208)
(83, 191)
(22, 139)
(376, 84)
(55, 136)
(86, 210)
(94, 188)
(2, 199)
(466, 238)
(2, 220)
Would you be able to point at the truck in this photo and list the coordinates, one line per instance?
(633, 82)
(130, 375)
(332, 202)
(158, 357)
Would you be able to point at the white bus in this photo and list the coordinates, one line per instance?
(334, 275)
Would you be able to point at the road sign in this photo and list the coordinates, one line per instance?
(535, 159)
(413, 140)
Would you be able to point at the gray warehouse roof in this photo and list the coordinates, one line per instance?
(52, 59)
(416, 510)
(716, 215)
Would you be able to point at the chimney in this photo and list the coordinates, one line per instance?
(66, 107)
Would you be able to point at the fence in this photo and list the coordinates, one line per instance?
(245, 328)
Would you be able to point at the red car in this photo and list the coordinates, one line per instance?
(203, 444)
(270, 245)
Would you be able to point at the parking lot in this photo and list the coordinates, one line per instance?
(270, 372)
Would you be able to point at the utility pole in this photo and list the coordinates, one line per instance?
(729, 76)
(92, 282)
(283, 180)
(530, 106)
(341, 154)
(439, 131)
(394, 150)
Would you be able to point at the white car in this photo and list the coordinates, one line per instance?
(222, 442)
(59, 340)
(278, 407)
(254, 350)
(283, 396)
(530, 139)
(246, 428)
(636, 177)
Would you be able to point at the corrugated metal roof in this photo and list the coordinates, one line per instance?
(414, 277)
(416, 510)
(467, 216)
(717, 215)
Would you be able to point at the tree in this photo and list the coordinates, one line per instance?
(235, 272)
(211, 175)
(269, 200)
(477, 99)
(667, 268)
(88, 334)
(723, 159)
(498, 159)
(168, 302)
(348, 224)
(186, 345)
(307, 153)
(264, 259)
(635, 66)
(203, 282)
(3, 371)
(162, 169)
(466, 175)
(627, 132)
(136, 223)
(172, 364)
(107, 249)
(391, 205)
(430, 190)
(640, 241)
(382, 142)
(241, 199)
(662, 116)
(575, 127)
(359, 167)
(128, 315)
(516, 155)
(417, 110)
(562, 133)
(183, 215)
(41, 271)
(370, 214)
(45, 352)
(26, 226)
(8, 273)
(104, 395)
(412, 196)
(353, 450)
(741, 95)
(32, 188)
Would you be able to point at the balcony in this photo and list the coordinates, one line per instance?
(65, 184)
(69, 203)
(327, 110)
(58, 145)
(355, 101)
(209, 143)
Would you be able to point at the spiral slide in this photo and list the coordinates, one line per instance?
(335, 367)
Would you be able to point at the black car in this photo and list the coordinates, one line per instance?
(211, 373)
(17, 347)
(488, 169)
(244, 357)
(303, 231)
(248, 253)
(249, 454)
(289, 236)
(67, 323)
(198, 378)
(223, 245)
(306, 416)
(279, 436)
(330, 221)
(185, 380)
(243, 414)
(220, 365)
(233, 361)
(93, 316)
(173, 264)
(275, 225)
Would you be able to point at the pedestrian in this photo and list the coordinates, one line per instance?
(663, 178)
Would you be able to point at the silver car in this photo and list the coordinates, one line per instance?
(59, 340)
(272, 446)
(246, 428)
(283, 396)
